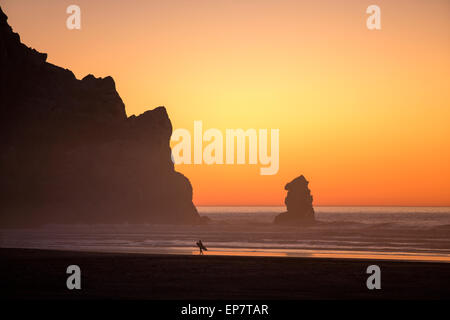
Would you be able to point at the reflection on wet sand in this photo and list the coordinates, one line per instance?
(331, 254)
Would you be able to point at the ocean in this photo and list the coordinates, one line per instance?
(394, 233)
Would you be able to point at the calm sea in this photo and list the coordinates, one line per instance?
(404, 233)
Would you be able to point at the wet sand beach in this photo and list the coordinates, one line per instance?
(41, 274)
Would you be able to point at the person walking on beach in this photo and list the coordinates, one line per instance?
(201, 246)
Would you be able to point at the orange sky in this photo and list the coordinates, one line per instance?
(364, 115)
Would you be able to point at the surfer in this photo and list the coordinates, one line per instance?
(201, 247)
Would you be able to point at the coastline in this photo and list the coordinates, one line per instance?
(41, 274)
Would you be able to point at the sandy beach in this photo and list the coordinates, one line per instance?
(41, 274)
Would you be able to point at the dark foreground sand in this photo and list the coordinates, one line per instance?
(41, 274)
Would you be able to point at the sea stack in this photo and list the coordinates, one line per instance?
(298, 202)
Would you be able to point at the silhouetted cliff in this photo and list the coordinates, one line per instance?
(69, 154)
(298, 203)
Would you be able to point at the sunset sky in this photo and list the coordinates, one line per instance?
(364, 115)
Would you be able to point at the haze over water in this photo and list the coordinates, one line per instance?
(400, 233)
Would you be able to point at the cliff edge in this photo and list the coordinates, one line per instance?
(70, 154)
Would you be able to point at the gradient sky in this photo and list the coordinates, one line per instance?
(364, 115)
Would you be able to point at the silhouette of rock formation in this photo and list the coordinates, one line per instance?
(70, 154)
(298, 203)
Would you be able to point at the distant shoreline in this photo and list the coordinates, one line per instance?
(41, 274)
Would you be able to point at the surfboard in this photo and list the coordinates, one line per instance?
(201, 246)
